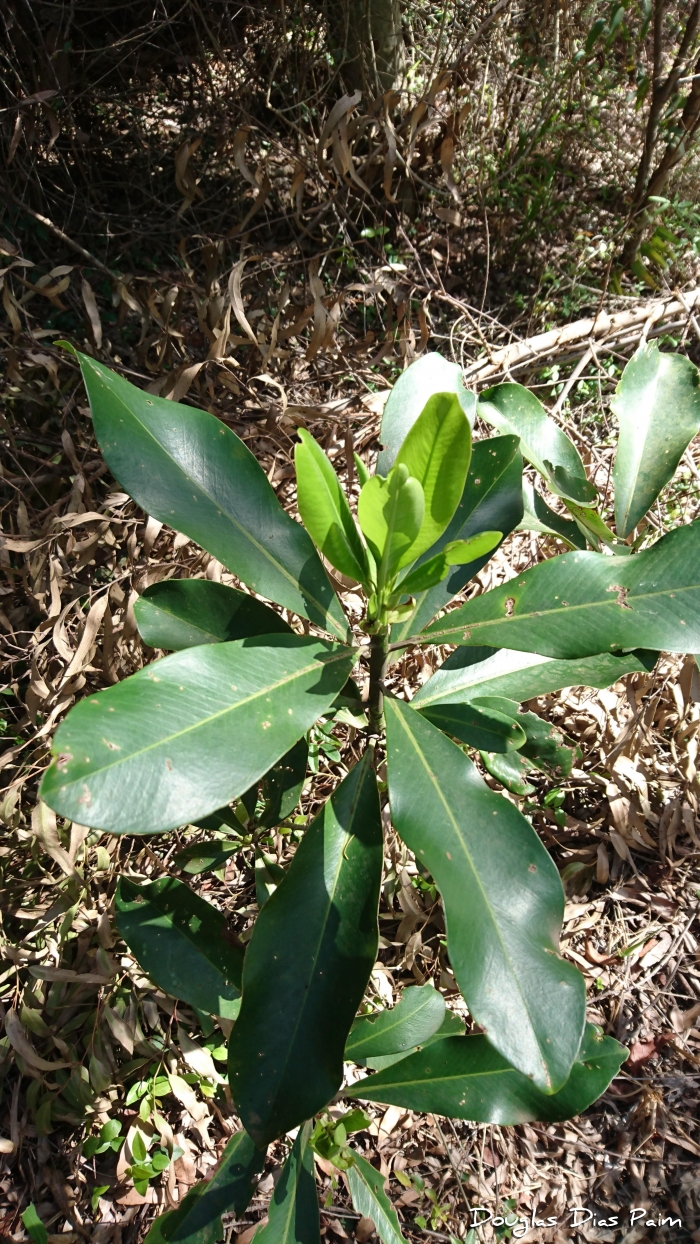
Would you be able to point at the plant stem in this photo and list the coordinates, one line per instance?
(378, 657)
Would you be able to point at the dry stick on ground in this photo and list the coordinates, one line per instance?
(581, 332)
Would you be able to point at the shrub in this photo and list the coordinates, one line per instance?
(223, 723)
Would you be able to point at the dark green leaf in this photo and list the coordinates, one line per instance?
(492, 727)
(492, 501)
(293, 1210)
(198, 1219)
(181, 613)
(428, 375)
(469, 673)
(268, 874)
(416, 1016)
(466, 1078)
(657, 404)
(451, 1026)
(510, 770)
(512, 408)
(189, 470)
(307, 964)
(581, 604)
(538, 516)
(325, 512)
(202, 857)
(371, 1201)
(191, 732)
(281, 787)
(436, 452)
(180, 941)
(546, 746)
(502, 897)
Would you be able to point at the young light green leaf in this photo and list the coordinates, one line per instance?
(307, 964)
(187, 469)
(436, 452)
(472, 672)
(466, 1078)
(581, 604)
(428, 375)
(180, 942)
(416, 1016)
(456, 553)
(325, 511)
(391, 515)
(512, 408)
(181, 613)
(131, 759)
(34, 1225)
(657, 404)
(361, 468)
(492, 498)
(197, 1220)
(502, 897)
(371, 1201)
(462, 552)
(293, 1212)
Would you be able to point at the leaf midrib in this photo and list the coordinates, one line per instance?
(475, 874)
(279, 566)
(549, 613)
(205, 721)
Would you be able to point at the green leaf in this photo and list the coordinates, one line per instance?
(469, 673)
(546, 746)
(436, 452)
(391, 515)
(293, 1210)
(456, 553)
(202, 857)
(189, 733)
(138, 1148)
(538, 516)
(416, 1016)
(181, 613)
(512, 408)
(198, 1219)
(180, 942)
(502, 897)
(34, 1225)
(189, 470)
(492, 500)
(657, 404)
(371, 1201)
(451, 1026)
(268, 875)
(580, 604)
(307, 964)
(282, 785)
(325, 512)
(492, 725)
(510, 770)
(428, 375)
(466, 1078)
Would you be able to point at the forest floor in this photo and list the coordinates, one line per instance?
(93, 1031)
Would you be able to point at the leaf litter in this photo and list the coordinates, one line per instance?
(89, 1039)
